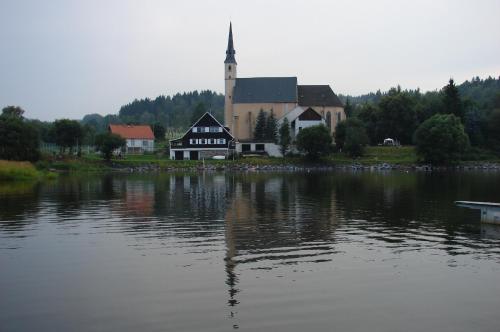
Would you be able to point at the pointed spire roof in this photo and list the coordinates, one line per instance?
(230, 47)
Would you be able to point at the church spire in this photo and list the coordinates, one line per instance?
(230, 48)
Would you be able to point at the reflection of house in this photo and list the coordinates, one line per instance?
(205, 139)
(245, 97)
(139, 138)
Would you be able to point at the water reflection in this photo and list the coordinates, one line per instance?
(258, 222)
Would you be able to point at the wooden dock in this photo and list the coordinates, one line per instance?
(490, 212)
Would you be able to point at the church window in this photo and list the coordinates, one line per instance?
(229, 68)
(329, 120)
(339, 116)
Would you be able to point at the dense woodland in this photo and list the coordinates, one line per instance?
(174, 112)
(397, 113)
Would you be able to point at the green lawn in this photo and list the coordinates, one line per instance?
(403, 155)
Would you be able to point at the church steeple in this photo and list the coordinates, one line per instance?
(230, 47)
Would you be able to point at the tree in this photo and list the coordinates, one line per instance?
(259, 133)
(356, 138)
(18, 139)
(197, 113)
(159, 131)
(342, 128)
(451, 100)
(271, 128)
(441, 139)
(284, 134)
(494, 130)
(13, 111)
(397, 117)
(107, 143)
(68, 133)
(315, 141)
(348, 108)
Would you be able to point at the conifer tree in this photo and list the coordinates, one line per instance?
(271, 128)
(452, 102)
(260, 127)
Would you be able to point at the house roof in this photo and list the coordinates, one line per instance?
(317, 95)
(295, 113)
(206, 119)
(265, 90)
(132, 131)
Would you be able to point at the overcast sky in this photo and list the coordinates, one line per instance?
(70, 58)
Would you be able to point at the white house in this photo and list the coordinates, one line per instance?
(139, 138)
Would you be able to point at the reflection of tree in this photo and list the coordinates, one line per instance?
(19, 205)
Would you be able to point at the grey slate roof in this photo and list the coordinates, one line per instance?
(317, 95)
(265, 90)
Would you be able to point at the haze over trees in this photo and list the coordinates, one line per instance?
(19, 138)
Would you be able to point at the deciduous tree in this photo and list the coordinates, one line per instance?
(441, 139)
(107, 143)
(315, 141)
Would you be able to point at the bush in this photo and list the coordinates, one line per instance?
(17, 170)
(441, 139)
(315, 141)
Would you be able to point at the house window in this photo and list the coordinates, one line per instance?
(145, 143)
(207, 129)
(221, 141)
(245, 147)
(259, 147)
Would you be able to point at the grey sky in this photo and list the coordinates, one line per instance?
(70, 58)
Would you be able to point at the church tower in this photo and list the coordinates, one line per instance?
(230, 80)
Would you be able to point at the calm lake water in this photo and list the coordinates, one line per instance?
(252, 251)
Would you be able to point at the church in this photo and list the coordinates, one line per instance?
(302, 105)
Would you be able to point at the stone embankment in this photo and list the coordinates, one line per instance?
(308, 168)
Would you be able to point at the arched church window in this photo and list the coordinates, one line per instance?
(329, 119)
(229, 67)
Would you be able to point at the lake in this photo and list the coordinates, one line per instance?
(343, 251)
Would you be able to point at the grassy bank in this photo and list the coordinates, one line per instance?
(376, 155)
(21, 170)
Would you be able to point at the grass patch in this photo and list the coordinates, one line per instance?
(402, 155)
(18, 170)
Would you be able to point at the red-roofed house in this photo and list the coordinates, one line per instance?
(139, 138)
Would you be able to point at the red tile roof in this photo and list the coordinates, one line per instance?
(131, 131)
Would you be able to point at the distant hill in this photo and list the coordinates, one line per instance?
(480, 91)
(171, 112)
